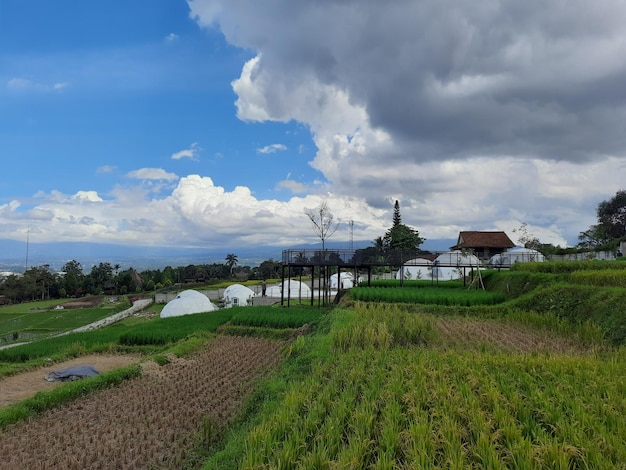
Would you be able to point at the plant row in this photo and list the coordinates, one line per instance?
(394, 283)
(394, 405)
(560, 267)
(427, 295)
(156, 332)
(272, 317)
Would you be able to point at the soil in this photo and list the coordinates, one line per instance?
(26, 384)
(152, 421)
(85, 302)
(475, 332)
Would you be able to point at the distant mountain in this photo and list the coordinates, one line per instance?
(14, 256)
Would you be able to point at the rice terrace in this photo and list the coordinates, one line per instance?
(527, 373)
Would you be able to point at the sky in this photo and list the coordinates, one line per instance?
(217, 123)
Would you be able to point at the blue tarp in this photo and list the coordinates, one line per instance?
(72, 373)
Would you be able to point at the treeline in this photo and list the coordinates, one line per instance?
(41, 282)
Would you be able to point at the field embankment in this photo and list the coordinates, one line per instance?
(578, 292)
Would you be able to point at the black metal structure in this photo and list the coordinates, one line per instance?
(322, 262)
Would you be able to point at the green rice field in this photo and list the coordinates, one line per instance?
(405, 393)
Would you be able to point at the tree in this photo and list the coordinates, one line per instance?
(101, 277)
(527, 239)
(73, 278)
(397, 218)
(38, 281)
(400, 237)
(593, 237)
(269, 269)
(379, 244)
(611, 224)
(323, 222)
(612, 216)
(231, 262)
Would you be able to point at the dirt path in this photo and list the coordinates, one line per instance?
(147, 422)
(24, 385)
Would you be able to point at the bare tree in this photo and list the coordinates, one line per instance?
(323, 222)
(324, 226)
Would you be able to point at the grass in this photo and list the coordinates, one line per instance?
(39, 319)
(385, 403)
(148, 337)
(272, 317)
(427, 295)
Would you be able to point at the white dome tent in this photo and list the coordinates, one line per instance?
(418, 268)
(187, 302)
(517, 254)
(346, 282)
(453, 265)
(293, 289)
(237, 295)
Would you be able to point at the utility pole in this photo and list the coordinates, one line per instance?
(352, 235)
(27, 242)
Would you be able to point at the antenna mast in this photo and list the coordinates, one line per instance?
(27, 242)
(352, 235)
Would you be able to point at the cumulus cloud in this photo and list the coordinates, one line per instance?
(152, 174)
(195, 213)
(191, 153)
(490, 112)
(87, 196)
(272, 148)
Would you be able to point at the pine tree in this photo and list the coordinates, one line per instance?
(397, 218)
(401, 237)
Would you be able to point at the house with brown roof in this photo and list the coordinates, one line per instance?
(483, 244)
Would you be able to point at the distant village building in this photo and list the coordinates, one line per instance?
(484, 245)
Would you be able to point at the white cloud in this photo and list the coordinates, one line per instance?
(293, 186)
(152, 174)
(474, 116)
(272, 148)
(106, 169)
(191, 153)
(87, 196)
(26, 85)
(195, 213)
(172, 37)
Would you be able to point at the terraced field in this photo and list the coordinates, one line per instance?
(149, 422)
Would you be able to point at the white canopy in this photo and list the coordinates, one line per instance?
(346, 282)
(238, 295)
(517, 254)
(295, 289)
(418, 268)
(452, 265)
(187, 302)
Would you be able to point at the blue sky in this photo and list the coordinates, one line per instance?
(97, 90)
(215, 123)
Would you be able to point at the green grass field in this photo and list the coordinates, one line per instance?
(35, 320)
